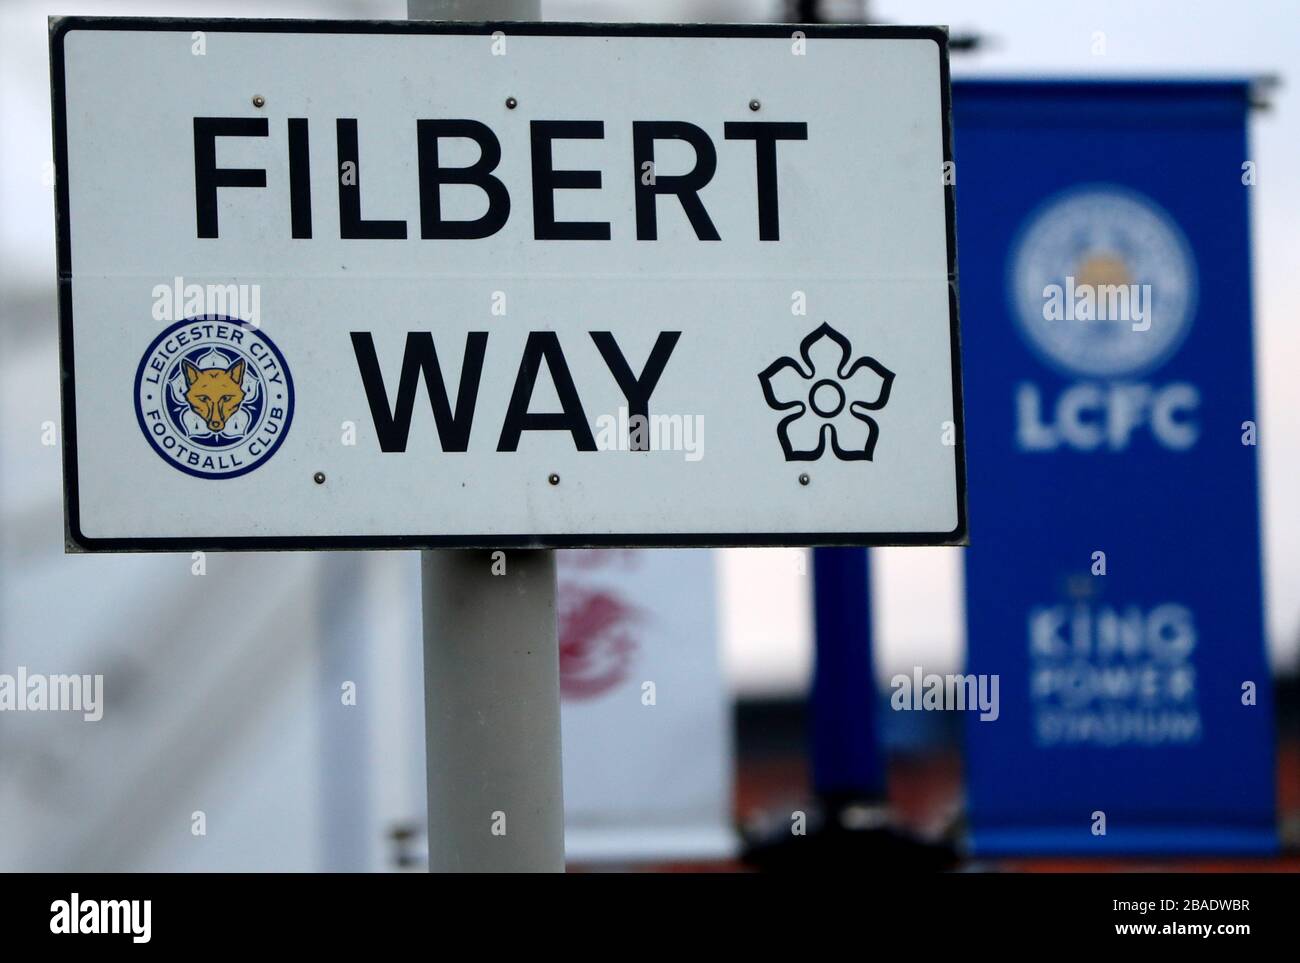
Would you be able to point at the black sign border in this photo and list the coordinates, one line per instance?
(77, 541)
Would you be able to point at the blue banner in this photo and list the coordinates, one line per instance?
(1113, 577)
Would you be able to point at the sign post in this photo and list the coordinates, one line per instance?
(492, 712)
(472, 288)
(491, 672)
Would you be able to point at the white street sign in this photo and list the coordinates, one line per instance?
(329, 284)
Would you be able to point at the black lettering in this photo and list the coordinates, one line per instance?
(479, 174)
(636, 390)
(547, 180)
(392, 428)
(545, 346)
(685, 186)
(208, 177)
(351, 224)
(299, 178)
(765, 136)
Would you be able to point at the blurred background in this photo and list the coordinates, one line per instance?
(247, 727)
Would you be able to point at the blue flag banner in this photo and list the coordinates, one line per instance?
(1113, 579)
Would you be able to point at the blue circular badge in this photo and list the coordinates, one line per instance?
(214, 396)
(1121, 249)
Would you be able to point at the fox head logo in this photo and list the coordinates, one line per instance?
(214, 394)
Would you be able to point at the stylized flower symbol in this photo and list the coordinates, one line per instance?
(829, 396)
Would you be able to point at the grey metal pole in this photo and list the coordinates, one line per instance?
(491, 671)
(492, 712)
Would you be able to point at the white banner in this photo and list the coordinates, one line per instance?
(646, 717)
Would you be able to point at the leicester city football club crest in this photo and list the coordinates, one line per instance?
(214, 396)
(1102, 283)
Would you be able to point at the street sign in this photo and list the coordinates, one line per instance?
(368, 285)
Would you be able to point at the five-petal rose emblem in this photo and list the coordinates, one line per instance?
(826, 396)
